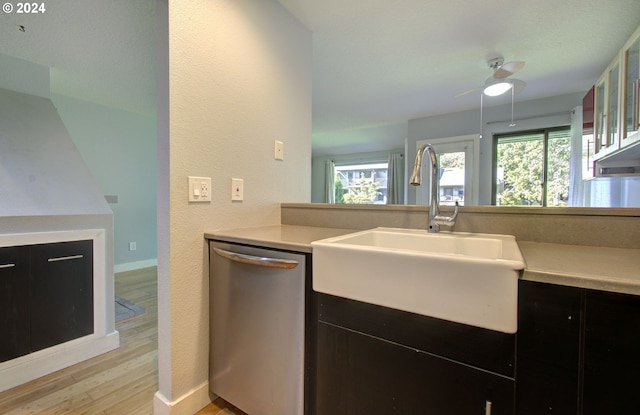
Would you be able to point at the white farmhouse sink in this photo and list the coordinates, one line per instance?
(463, 277)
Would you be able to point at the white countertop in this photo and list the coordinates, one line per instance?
(288, 237)
(600, 268)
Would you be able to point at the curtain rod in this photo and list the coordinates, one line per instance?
(533, 117)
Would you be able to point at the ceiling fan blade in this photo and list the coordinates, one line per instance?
(468, 92)
(508, 69)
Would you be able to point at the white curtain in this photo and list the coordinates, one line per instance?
(576, 184)
(329, 182)
(395, 179)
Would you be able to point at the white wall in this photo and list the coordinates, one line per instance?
(41, 171)
(119, 147)
(24, 76)
(239, 76)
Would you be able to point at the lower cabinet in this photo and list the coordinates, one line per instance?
(577, 351)
(548, 360)
(14, 303)
(374, 360)
(46, 296)
(611, 354)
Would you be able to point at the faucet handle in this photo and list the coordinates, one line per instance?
(455, 212)
(447, 220)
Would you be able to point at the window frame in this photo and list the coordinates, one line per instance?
(470, 145)
(354, 165)
(546, 132)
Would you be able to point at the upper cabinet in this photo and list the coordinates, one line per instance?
(617, 115)
(606, 110)
(588, 143)
(631, 90)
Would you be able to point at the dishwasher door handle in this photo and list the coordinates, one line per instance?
(257, 260)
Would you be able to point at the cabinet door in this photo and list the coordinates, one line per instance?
(14, 302)
(607, 115)
(612, 358)
(631, 93)
(61, 292)
(548, 349)
(588, 143)
(362, 374)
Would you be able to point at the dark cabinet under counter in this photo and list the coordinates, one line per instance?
(14, 303)
(46, 296)
(611, 353)
(577, 351)
(550, 321)
(377, 360)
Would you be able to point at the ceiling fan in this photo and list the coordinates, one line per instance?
(498, 84)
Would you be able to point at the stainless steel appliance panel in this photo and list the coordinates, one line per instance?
(257, 328)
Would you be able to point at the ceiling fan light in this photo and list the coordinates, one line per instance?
(496, 89)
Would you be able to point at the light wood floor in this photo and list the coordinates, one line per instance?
(121, 382)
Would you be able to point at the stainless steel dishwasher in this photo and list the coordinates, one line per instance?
(257, 314)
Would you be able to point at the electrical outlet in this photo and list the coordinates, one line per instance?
(204, 190)
(132, 246)
(199, 189)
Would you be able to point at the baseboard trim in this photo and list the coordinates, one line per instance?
(188, 404)
(34, 365)
(130, 266)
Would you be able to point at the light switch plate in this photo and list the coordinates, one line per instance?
(237, 189)
(278, 150)
(199, 189)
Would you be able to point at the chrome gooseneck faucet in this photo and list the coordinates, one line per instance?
(435, 218)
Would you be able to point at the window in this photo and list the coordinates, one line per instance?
(361, 183)
(458, 170)
(451, 181)
(532, 168)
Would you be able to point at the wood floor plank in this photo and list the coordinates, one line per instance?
(128, 374)
(120, 382)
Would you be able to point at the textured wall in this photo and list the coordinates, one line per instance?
(119, 148)
(41, 170)
(239, 76)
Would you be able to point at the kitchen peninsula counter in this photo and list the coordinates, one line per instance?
(598, 268)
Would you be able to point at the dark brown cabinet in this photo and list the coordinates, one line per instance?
(376, 360)
(611, 354)
(14, 303)
(577, 351)
(548, 358)
(46, 296)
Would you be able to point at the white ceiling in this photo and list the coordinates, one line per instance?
(375, 62)
(383, 62)
(99, 51)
